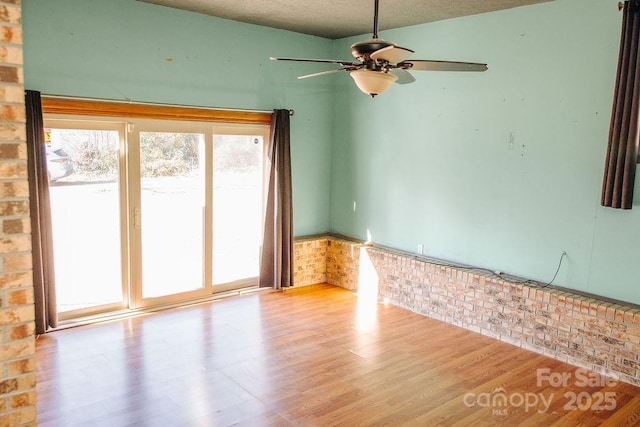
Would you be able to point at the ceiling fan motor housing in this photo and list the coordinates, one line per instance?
(362, 50)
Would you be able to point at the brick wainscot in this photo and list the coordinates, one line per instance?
(584, 331)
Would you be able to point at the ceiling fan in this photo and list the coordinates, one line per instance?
(380, 63)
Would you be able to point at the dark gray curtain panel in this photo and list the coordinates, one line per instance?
(41, 234)
(276, 259)
(622, 150)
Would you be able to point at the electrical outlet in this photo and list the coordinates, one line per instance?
(420, 249)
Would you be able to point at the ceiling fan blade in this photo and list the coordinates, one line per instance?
(404, 76)
(392, 54)
(322, 73)
(429, 65)
(327, 61)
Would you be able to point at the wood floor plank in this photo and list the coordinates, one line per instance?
(309, 357)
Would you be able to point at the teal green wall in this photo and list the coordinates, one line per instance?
(118, 49)
(429, 163)
(426, 163)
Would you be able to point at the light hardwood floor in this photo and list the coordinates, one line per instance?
(310, 357)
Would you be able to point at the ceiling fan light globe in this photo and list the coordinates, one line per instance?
(373, 82)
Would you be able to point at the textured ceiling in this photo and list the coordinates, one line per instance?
(340, 18)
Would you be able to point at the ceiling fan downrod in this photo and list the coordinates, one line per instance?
(375, 19)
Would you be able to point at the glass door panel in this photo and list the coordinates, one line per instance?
(171, 217)
(237, 209)
(84, 189)
(152, 212)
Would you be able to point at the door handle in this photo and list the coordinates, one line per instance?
(136, 218)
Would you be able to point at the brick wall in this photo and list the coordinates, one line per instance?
(309, 261)
(580, 330)
(343, 264)
(17, 342)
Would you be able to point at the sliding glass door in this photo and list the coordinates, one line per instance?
(85, 162)
(169, 208)
(147, 213)
(238, 158)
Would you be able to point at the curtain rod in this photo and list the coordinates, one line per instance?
(291, 112)
(158, 104)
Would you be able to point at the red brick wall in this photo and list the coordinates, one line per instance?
(17, 341)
